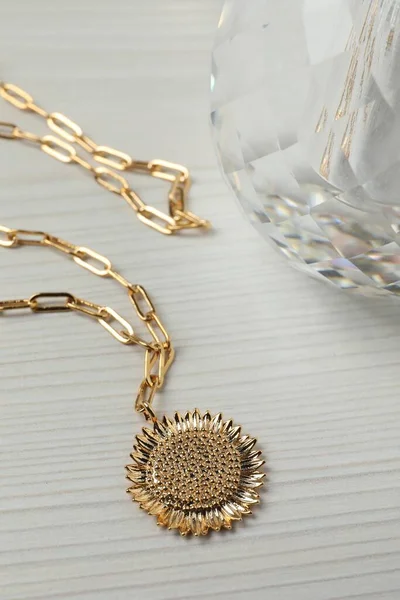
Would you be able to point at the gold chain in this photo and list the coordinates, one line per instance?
(178, 219)
(159, 352)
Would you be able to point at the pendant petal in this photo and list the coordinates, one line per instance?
(151, 436)
(184, 527)
(206, 421)
(163, 517)
(204, 523)
(189, 421)
(145, 443)
(175, 519)
(234, 433)
(161, 429)
(153, 506)
(227, 427)
(139, 493)
(197, 420)
(215, 519)
(139, 459)
(138, 477)
(216, 423)
(179, 423)
(196, 523)
(246, 444)
(189, 522)
(250, 458)
(252, 465)
(251, 481)
(134, 469)
(244, 510)
(251, 455)
(229, 509)
(247, 496)
(169, 425)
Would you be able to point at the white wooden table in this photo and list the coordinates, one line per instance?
(309, 371)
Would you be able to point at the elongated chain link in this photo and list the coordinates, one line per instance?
(178, 219)
(159, 352)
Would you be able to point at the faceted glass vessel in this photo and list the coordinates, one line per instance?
(306, 117)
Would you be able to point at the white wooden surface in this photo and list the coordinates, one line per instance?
(311, 372)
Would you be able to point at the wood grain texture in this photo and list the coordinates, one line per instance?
(311, 372)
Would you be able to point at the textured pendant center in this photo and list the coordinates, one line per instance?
(194, 470)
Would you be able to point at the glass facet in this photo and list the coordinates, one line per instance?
(306, 117)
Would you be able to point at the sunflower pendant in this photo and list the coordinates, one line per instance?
(195, 473)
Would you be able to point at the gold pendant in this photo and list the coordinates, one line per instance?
(195, 473)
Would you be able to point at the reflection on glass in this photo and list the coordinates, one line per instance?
(306, 117)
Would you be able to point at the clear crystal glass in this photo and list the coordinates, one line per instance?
(306, 116)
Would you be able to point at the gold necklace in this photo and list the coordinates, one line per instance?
(178, 219)
(194, 472)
